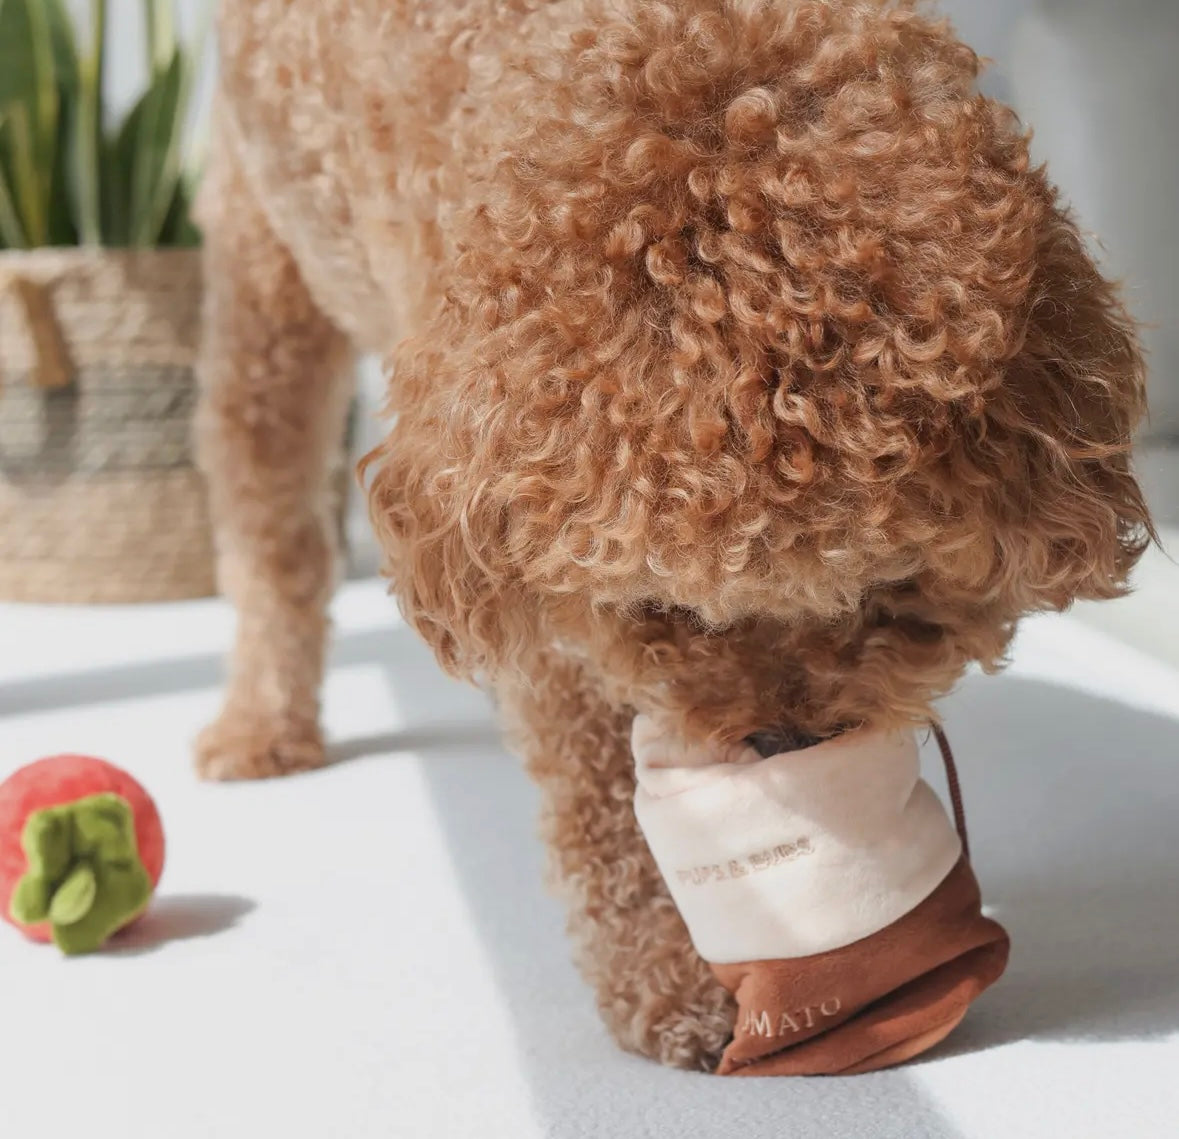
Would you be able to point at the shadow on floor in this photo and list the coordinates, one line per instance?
(1075, 804)
(180, 917)
(173, 674)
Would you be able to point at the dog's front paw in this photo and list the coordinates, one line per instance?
(693, 1039)
(681, 1017)
(241, 746)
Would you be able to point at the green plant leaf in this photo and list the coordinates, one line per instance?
(26, 186)
(179, 230)
(12, 236)
(85, 142)
(118, 164)
(154, 171)
(63, 44)
(165, 220)
(17, 63)
(62, 179)
(177, 198)
(87, 147)
(159, 23)
(44, 108)
(12, 233)
(174, 219)
(62, 229)
(29, 93)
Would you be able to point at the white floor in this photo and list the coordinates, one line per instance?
(367, 951)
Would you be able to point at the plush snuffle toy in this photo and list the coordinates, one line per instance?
(81, 851)
(828, 890)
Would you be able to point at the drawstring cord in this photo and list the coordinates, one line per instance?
(955, 787)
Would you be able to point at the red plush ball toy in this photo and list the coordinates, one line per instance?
(81, 851)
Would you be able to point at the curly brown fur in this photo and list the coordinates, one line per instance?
(627, 932)
(745, 372)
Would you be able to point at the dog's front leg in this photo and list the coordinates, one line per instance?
(654, 993)
(275, 388)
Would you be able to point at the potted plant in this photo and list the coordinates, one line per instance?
(99, 316)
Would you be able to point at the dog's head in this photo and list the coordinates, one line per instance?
(773, 377)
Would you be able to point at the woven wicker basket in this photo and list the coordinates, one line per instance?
(99, 497)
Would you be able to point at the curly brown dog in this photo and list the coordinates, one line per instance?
(745, 372)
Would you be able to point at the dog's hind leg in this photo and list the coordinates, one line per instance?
(654, 993)
(276, 383)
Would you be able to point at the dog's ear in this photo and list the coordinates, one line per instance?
(1040, 472)
(436, 500)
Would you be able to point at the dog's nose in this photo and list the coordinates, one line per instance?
(775, 741)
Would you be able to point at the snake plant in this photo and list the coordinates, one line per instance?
(65, 178)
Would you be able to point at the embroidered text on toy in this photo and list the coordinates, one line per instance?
(762, 1023)
(749, 864)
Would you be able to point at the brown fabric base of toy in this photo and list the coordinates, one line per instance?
(869, 1005)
